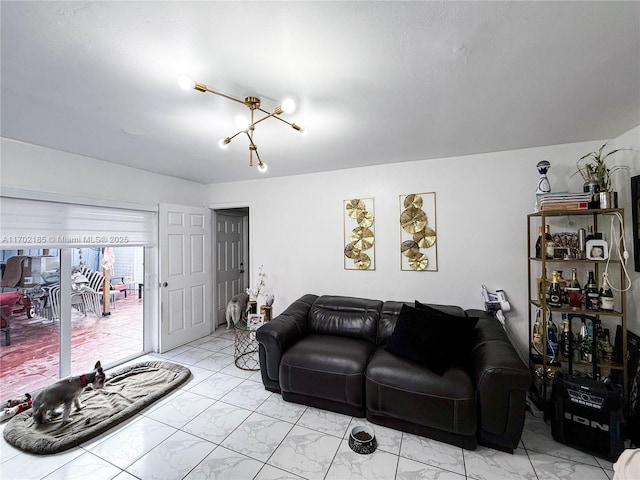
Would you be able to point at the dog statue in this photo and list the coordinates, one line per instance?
(65, 392)
(237, 309)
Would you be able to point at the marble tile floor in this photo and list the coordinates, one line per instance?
(223, 424)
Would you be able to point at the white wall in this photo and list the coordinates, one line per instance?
(297, 229)
(482, 203)
(32, 167)
(621, 182)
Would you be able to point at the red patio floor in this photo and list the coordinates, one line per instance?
(31, 360)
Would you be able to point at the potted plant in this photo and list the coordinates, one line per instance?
(595, 171)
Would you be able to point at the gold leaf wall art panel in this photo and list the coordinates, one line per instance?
(359, 234)
(418, 246)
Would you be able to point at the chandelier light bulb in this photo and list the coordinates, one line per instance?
(242, 123)
(288, 105)
(262, 166)
(185, 82)
(224, 143)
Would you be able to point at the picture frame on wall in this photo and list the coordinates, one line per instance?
(418, 246)
(359, 228)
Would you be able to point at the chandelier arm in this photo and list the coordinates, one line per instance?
(268, 112)
(251, 150)
(251, 144)
(258, 156)
(274, 114)
(204, 88)
(236, 134)
(264, 118)
(283, 120)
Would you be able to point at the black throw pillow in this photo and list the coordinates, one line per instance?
(429, 308)
(432, 338)
(461, 327)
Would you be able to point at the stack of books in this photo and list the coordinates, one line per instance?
(564, 201)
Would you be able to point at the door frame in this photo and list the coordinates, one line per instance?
(247, 241)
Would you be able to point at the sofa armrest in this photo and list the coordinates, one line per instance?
(502, 380)
(276, 336)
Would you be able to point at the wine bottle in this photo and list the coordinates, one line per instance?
(606, 295)
(598, 333)
(592, 296)
(552, 336)
(583, 338)
(539, 243)
(565, 337)
(549, 245)
(607, 348)
(555, 291)
(564, 299)
(574, 280)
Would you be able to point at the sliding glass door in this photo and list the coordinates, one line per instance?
(72, 287)
(63, 311)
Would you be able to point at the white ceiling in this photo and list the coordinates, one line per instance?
(375, 82)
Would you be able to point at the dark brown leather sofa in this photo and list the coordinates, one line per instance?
(329, 352)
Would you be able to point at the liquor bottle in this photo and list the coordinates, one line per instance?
(564, 299)
(583, 338)
(539, 243)
(607, 348)
(592, 296)
(549, 245)
(606, 295)
(574, 280)
(565, 337)
(598, 333)
(573, 292)
(552, 337)
(555, 291)
(537, 333)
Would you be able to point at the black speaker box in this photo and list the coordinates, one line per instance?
(588, 415)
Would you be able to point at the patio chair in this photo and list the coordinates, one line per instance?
(92, 301)
(77, 302)
(96, 282)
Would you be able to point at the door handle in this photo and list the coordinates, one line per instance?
(165, 284)
(241, 267)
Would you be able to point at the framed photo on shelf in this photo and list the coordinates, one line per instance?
(561, 252)
(254, 321)
(597, 250)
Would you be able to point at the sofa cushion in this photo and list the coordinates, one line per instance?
(327, 366)
(346, 316)
(432, 338)
(404, 390)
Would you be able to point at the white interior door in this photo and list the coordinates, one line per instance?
(230, 263)
(185, 274)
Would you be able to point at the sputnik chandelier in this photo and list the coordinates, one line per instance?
(246, 126)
